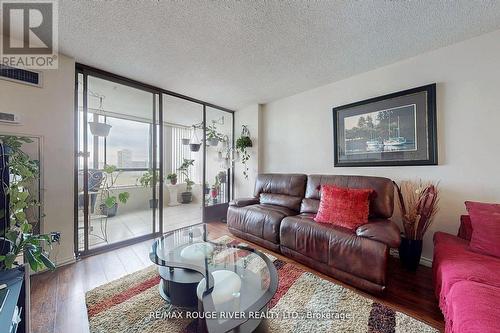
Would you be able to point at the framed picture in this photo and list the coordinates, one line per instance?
(391, 130)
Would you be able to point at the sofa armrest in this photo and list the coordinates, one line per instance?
(242, 202)
(384, 231)
(465, 231)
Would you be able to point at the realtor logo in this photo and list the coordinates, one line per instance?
(29, 34)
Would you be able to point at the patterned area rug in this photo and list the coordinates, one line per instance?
(127, 305)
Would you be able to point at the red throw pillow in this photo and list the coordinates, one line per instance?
(345, 207)
(485, 220)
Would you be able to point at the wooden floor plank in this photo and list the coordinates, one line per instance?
(58, 298)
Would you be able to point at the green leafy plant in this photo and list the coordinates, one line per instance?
(184, 170)
(213, 134)
(146, 180)
(242, 144)
(108, 197)
(172, 177)
(19, 238)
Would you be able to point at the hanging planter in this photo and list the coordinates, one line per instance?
(242, 144)
(185, 141)
(222, 177)
(194, 146)
(99, 129)
(213, 142)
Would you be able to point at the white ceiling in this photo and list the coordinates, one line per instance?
(236, 53)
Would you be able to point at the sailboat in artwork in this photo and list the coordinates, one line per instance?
(394, 141)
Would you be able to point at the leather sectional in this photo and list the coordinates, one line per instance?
(280, 217)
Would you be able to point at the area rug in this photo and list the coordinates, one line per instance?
(304, 302)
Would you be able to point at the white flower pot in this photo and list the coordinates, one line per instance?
(99, 129)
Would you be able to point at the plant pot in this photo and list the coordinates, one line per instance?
(5, 247)
(185, 142)
(186, 197)
(213, 142)
(214, 193)
(173, 181)
(153, 203)
(206, 190)
(410, 252)
(222, 177)
(194, 146)
(109, 212)
(99, 129)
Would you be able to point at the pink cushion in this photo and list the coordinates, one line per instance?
(473, 307)
(455, 261)
(485, 219)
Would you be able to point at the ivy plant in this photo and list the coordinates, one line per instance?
(18, 237)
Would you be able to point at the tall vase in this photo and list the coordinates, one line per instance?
(410, 252)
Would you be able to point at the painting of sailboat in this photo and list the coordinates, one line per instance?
(392, 130)
(389, 130)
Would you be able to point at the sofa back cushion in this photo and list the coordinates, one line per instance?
(285, 190)
(485, 220)
(382, 199)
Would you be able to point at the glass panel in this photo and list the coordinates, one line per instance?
(117, 160)
(182, 141)
(219, 138)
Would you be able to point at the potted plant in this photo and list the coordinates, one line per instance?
(214, 192)
(187, 196)
(146, 180)
(172, 177)
(418, 202)
(213, 137)
(222, 177)
(242, 144)
(17, 227)
(109, 200)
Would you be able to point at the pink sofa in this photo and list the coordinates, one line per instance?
(466, 283)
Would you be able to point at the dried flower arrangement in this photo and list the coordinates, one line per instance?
(418, 201)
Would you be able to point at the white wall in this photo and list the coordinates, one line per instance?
(297, 130)
(250, 116)
(48, 112)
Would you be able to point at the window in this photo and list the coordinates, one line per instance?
(128, 144)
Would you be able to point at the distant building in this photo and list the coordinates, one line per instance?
(124, 158)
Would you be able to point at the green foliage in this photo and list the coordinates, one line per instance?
(24, 175)
(184, 170)
(172, 176)
(147, 178)
(242, 143)
(108, 197)
(212, 133)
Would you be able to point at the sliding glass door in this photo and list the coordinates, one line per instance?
(117, 161)
(147, 161)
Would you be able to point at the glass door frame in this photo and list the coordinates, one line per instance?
(157, 146)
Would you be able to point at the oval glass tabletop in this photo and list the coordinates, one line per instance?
(236, 281)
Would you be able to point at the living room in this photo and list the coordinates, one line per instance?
(267, 166)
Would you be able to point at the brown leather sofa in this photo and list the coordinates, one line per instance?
(280, 218)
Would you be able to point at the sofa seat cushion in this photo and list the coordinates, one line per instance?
(260, 220)
(455, 261)
(472, 307)
(335, 246)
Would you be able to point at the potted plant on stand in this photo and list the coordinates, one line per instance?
(172, 177)
(19, 239)
(242, 144)
(109, 200)
(187, 196)
(146, 180)
(418, 202)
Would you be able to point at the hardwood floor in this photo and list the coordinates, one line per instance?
(58, 298)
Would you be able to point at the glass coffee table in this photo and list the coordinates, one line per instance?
(229, 285)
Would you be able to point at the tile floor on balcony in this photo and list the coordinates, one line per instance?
(129, 225)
